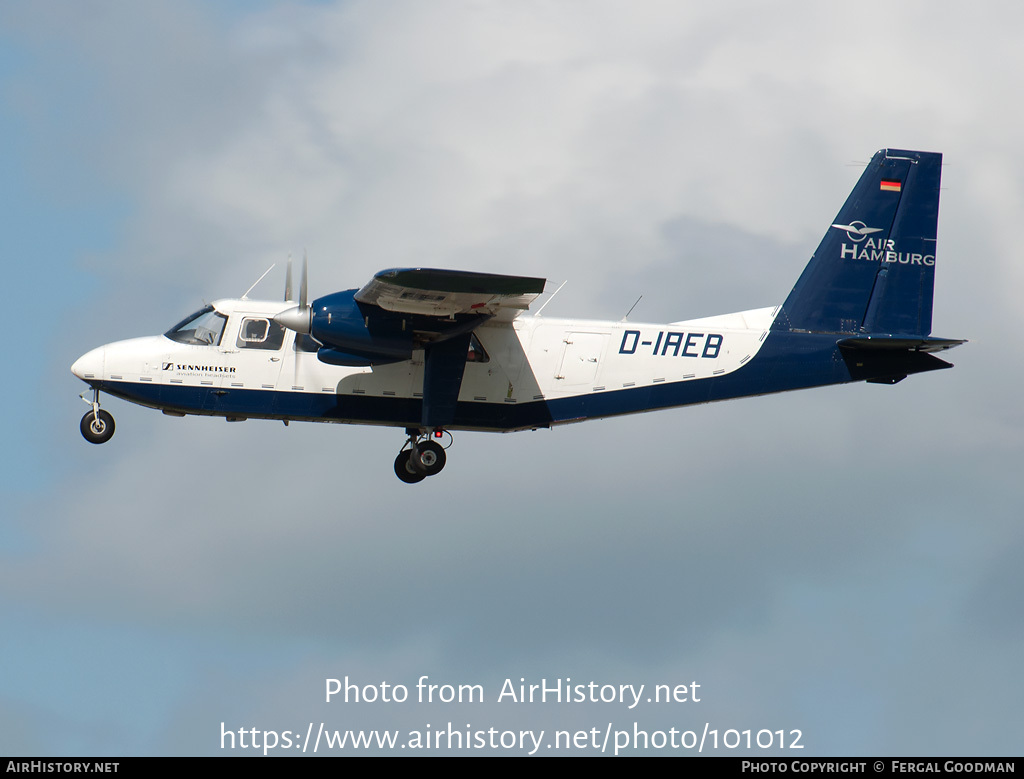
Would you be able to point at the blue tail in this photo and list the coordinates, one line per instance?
(874, 271)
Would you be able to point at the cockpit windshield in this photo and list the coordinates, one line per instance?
(203, 328)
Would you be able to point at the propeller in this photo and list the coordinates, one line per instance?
(299, 318)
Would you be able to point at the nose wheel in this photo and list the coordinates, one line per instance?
(424, 457)
(97, 425)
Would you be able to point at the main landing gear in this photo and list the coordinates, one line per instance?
(97, 425)
(424, 457)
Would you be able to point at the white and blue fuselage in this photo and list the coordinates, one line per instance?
(529, 373)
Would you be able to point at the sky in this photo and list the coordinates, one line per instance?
(842, 562)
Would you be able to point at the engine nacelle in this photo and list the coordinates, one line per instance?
(371, 336)
(360, 334)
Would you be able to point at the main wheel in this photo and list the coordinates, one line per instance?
(97, 428)
(431, 458)
(404, 469)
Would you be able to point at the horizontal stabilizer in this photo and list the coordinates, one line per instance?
(888, 360)
(901, 342)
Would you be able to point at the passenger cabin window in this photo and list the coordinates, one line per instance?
(260, 333)
(203, 328)
(476, 350)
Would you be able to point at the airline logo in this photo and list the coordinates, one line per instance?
(857, 231)
(863, 246)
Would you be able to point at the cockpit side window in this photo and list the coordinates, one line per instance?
(203, 328)
(260, 333)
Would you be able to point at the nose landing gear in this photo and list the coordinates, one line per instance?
(97, 425)
(423, 458)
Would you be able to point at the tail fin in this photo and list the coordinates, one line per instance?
(874, 271)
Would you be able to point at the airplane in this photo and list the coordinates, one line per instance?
(436, 351)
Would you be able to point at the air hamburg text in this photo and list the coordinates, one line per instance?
(884, 251)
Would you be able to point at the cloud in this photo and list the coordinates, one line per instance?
(770, 549)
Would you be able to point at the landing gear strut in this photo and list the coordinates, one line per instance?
(97, 426)
(424, 457)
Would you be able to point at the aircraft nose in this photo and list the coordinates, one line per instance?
(89, 365)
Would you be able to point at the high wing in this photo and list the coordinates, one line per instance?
(454, 302)
(448, 293)
(403, 310)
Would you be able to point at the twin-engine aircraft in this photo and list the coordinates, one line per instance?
(434, 351)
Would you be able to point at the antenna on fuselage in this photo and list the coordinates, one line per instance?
(631, 309)
(245, 295)
(552, 297)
